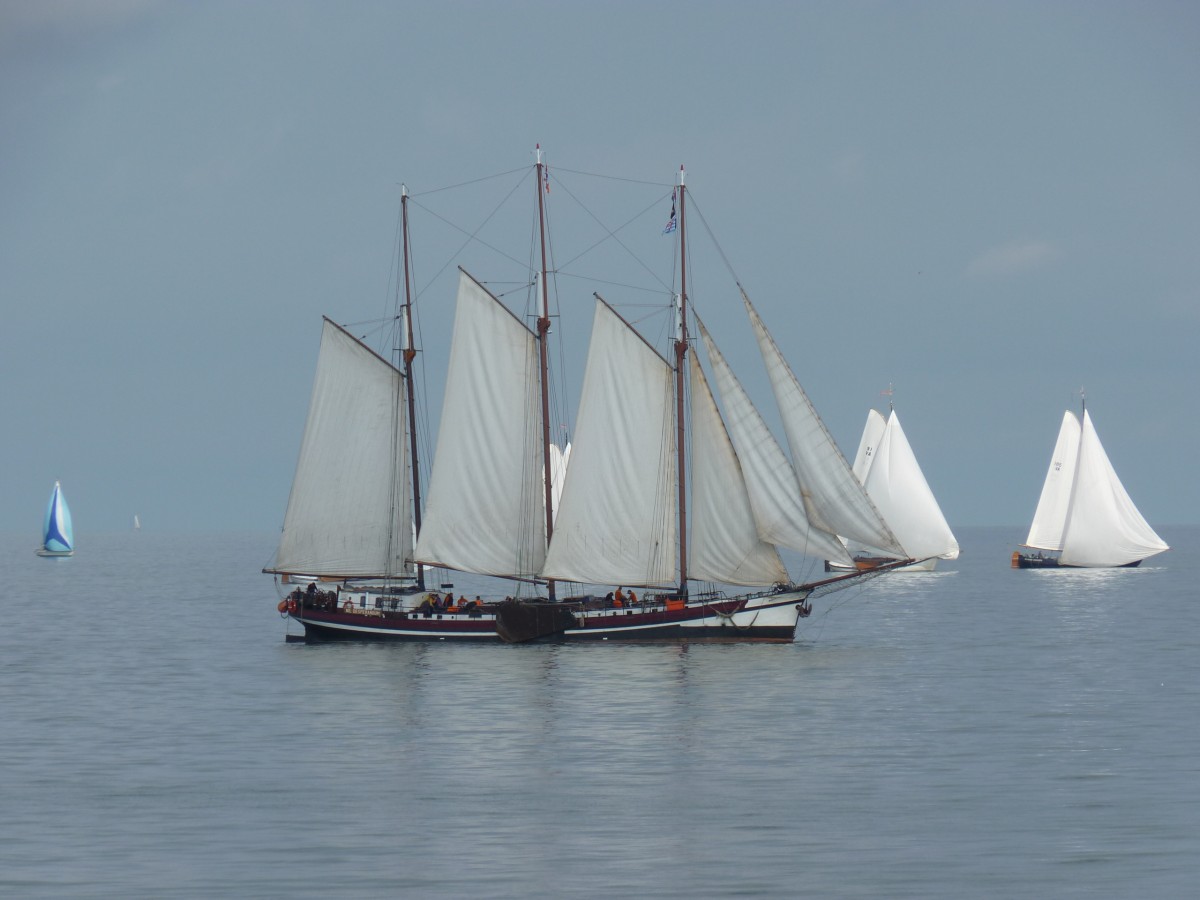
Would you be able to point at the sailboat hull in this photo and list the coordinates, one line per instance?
(1022, 561)
(866, 563)
(766, 617)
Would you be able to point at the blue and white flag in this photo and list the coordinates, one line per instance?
(671, 222)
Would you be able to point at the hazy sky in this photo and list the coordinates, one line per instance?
(988, 205)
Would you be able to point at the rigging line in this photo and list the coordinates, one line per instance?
(451, 187)
(695, 208)
(612, 234)
(471, 237)
(612, 177)
(618, 284)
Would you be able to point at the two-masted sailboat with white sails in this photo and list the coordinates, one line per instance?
(888, 469)
(1084, 516)
(639, 539)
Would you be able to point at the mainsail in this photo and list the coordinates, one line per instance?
(775, 495)
(897, 487)
(834, 499)
(725, 546)
(347, 514)
(616, 524)
(868, 444)
(485, 511)
(1050, 517)
(1103, 527)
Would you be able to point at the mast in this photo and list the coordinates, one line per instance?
(409, 353)
(543, 329)
(681, 347)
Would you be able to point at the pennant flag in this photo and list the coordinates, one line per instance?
(671, 222)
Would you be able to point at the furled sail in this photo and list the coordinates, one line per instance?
(897, 487)
(1104, 528)
(616, 523)
(834, 499)
(1050, 517)
(347, 514)
(725, 546)
(774, 493)
(485, 512)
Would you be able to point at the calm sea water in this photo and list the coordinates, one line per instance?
(975, 732)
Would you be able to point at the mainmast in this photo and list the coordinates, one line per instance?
(543, 329)
(409, 353)
(681, 348)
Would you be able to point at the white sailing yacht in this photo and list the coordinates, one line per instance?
(683, 533)
(1084, 516)
(888, 468)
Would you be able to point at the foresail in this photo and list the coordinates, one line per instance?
(1050, 517)
(898, 488)
(616, 523)
(725, 546)
(1103, 528)
(770, 480)
(485, 502)
(347, 514)
(834, 499)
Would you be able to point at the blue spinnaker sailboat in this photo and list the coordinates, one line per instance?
(58, 538)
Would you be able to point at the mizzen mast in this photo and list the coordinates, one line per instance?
(543, 329)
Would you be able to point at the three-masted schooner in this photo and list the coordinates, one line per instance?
(634, 511)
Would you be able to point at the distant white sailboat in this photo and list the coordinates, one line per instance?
(888, 468)
(1084, 517)
(137, 523)
(58, 536)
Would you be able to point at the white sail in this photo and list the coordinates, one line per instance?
(1103, 527)
(559, 459)
(347, 514)
(616, 524)
(834, 499)
(771, 484)
(485, 510)
(897, 487)
(868, 444)
(1050, 517)
(724, 542)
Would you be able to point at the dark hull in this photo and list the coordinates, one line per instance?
(1023, 561)
(771, 618)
